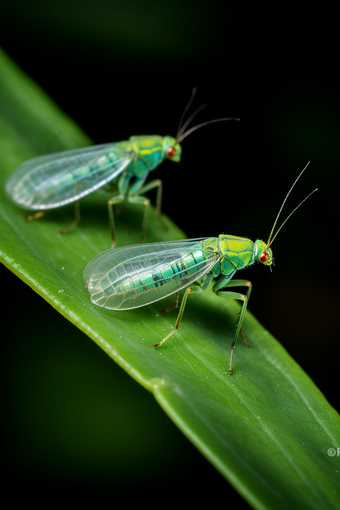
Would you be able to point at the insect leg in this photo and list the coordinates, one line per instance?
(242, 283)
(175, 304)
(118, 199)
(205, 281)
(235, 295)
(35, 216)
(146, 202)
(75, 221)
(195, 288)
(157, 183)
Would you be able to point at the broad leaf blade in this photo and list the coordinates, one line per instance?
(267, 429)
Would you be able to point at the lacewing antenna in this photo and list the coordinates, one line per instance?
(181, 133)
(193, 93)
(270, 239)
(191, 130)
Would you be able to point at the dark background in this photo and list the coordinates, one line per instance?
(126, 68)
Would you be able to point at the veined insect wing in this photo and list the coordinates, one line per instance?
(57, 179)
(135, 276)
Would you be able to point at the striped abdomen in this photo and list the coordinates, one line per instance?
(134, 276)
(134, 279)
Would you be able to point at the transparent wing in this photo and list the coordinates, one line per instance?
(119, 255)
(135, 276)
(58, 179)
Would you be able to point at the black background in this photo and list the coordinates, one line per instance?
(120, 69)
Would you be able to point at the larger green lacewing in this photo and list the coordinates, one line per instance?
(134, 276)
(51, 181)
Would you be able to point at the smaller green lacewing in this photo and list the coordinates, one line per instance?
(134, 276)
(54, 180)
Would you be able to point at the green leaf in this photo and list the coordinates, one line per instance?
(268, 428)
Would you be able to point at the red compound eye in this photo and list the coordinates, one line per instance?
(264, 257)
(171, 152)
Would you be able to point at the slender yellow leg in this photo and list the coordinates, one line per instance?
(157, 183)
(180, 315)
(35, 216)
(118, 199)
(219, 289)
(195, 288)
(175, 304)
(75, 221)
(146, 202)
(244, 339)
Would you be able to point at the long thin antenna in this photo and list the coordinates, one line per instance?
(316, 189)
(194, 90)
(270, 240)
(192, 116)
(187, 133)
(277, 217)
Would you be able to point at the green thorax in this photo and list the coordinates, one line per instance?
(150, 151)
(235, 253)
